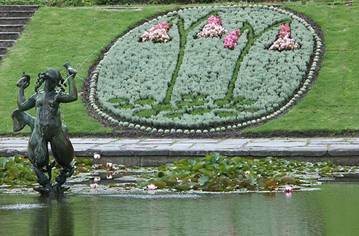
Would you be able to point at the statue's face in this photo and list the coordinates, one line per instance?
(52, 78)
(50, 85)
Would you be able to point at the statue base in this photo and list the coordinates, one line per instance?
(51, 191)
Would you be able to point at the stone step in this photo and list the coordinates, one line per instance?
(14, 20)
(16, 13)
(7, 43)
(11, 28)
(3, 50)
(1, 57)
(9, 35)
(19, 7)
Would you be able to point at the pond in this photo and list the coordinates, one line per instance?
(331, 211)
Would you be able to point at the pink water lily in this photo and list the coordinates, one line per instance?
(151, 187)
(288, 189)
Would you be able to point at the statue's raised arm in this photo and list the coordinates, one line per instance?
(72, 96)
(22, 103)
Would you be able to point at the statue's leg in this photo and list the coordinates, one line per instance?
(63, 152)
(39, 157)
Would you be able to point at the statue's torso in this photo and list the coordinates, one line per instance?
(48, 117)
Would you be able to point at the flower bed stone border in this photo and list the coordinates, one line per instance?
(316, 57)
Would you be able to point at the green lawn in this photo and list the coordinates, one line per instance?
(59, 35)
(77, 35)
(332, 105)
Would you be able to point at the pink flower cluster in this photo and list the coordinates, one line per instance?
(284, 40)
(230, 41)
(216, 20)
(213, 28)
(158, 33)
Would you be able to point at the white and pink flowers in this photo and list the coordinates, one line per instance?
(151, 187)
(158, 33)
(284, 40)
(288, 189)
(213, 28)
(230, 41)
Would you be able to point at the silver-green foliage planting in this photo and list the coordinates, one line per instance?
(192, 82)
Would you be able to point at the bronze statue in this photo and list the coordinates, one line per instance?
(47, 126)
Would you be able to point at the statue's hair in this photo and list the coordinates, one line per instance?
(53, 74)
(38, 84)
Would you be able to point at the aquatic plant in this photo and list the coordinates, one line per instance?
(218, 173)
(16, 171)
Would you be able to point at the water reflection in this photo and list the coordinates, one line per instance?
(54, 219)
(249, 214)
(305, 213)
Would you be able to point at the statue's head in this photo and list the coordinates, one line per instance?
(51, 77)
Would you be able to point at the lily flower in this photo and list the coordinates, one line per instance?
(93, 186)
(109, 175)
(288, 189)
(96, 156)
(109, 165)
(151, 187)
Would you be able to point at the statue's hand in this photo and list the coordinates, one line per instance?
(70, 70)
(23, 82)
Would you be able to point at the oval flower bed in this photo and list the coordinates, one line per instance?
(206, 69)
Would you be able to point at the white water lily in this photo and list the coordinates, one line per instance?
(109, 165)
(109, 175)
(93, 186)
(96, 156)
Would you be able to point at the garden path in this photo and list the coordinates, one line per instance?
(147, 151)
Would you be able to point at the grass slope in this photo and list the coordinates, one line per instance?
(77, 35)
(332, 105)
(59, 35)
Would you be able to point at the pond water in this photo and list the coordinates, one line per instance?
(331, 211)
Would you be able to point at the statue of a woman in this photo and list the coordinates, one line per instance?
(47, 126)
